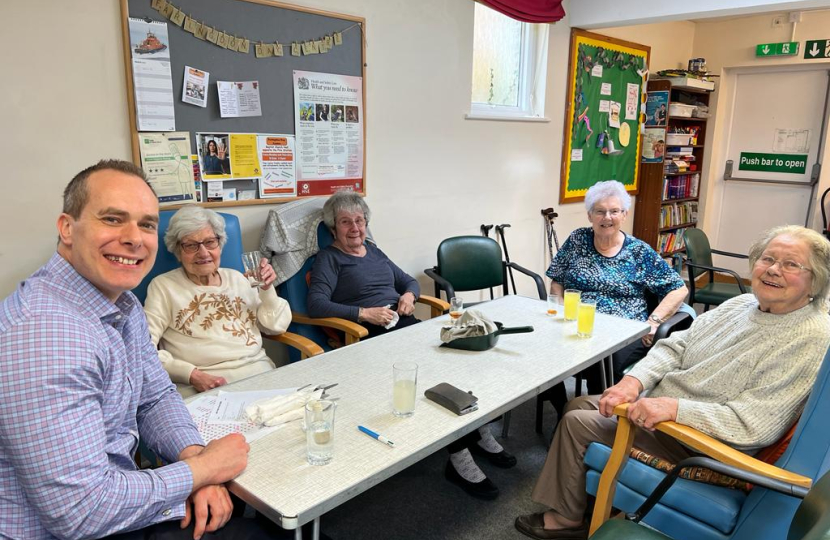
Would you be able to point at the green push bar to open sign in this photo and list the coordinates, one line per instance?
(781, 163)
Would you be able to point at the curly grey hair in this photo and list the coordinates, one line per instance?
(191, 219)
(818, 261)
(344, 201)
(603, 190)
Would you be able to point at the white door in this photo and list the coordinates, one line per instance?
(776, 125)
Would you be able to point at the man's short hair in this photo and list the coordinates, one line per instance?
(76, 194)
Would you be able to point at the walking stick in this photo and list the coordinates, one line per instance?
(500, 231)
(485, 230)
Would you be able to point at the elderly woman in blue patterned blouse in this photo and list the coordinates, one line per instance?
(617, 269)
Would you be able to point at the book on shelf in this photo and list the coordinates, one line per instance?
(678, 214)
(683, 186)
(671, 241)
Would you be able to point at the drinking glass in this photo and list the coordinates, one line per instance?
(319, 433)
(585, 317)
(571, 303)
(250, 260)
(405, 376)
(456, 308)
(554, 305)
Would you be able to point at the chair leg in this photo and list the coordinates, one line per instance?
(578, 389)
(505, 428)
(540, 411)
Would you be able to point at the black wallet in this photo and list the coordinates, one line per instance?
(452, 398)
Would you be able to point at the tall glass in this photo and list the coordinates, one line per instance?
(456, 308)
(251, 260)
(554, 305)
(405, 376)
(319, 433)
(571, 303)
(586, 312)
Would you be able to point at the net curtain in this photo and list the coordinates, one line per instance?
(531, 11)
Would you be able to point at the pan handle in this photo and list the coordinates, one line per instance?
(514, 330)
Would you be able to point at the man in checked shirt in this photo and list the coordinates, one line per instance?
(80, 380)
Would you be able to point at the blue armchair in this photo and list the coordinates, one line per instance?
(696, 511)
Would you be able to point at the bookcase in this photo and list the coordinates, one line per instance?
(667, 203)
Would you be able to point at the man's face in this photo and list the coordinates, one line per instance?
(114, 242)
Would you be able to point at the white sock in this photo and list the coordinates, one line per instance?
(487, 441)
(465, 465)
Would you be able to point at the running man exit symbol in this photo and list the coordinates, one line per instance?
(816, 49)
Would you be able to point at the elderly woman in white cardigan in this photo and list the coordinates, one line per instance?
(741, 374)
(206, 320)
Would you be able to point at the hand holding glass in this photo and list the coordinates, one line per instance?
(456, 308)
(250, 260)
(319, 433)
(571, 303)
(405, 376)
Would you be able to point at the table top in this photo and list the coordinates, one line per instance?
(281, 484)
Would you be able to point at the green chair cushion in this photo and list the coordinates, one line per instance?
(718, 292)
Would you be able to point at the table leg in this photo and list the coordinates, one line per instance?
(505, 424)
(315, 533)
(610, 371)
(603, 376)
(298, 533)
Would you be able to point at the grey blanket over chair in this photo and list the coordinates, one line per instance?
(290, 235)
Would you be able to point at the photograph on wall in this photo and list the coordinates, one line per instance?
(329, 145)
(654, 145)
(165, 157)
(214, 155)
(657, 105)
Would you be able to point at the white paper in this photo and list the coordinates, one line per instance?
(328, 122)
(632, 97)
(604, 105)
(614, 115)
(239, 99)
(200, 409)
(576, 154)
(195, 85)
(276, 155)
(152, 79)
(165, 157)
(791, 141)
(229, 194)
(214, 190)
(229, 407)
(597, 71)
(605, 89)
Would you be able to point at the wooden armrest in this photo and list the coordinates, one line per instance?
(354, 332)
(306, 347)
(437, 306)
(715, 449)
(624, 439)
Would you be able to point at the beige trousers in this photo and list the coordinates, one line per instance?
(561, 486)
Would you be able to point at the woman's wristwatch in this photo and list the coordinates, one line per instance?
(656, 319)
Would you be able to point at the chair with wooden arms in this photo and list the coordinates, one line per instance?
(699, 261)
(697, 511)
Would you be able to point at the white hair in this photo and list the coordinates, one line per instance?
(191, 219)
(604, 190)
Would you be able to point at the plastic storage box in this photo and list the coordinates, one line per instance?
(679, 109)
(678, 139)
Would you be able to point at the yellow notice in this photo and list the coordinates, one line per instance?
(244, 152)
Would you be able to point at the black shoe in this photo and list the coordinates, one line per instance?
(499, 459)
(485, 489)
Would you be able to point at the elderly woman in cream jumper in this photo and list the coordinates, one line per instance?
(741, 374)
(206, 320)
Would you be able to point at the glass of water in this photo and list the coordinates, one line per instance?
(250, 260)
(319, 433)
(405, 376)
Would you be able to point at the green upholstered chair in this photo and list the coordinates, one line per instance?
(810, 522)
(699, 262)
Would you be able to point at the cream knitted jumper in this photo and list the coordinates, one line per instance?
(740, 375)
(212, 328)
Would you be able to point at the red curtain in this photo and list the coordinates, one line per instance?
(531, 11)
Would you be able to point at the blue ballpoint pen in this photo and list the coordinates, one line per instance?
(374, 435)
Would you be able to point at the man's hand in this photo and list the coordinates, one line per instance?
(406, 304)
(380, 316)
(209, 501)
(648, 412)
(625, 391)
(202, 381)
(220, 461)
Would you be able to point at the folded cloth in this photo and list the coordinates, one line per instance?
(280, 409)
(471, 323)
(395, 318)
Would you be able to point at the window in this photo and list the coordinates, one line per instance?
(509, 60)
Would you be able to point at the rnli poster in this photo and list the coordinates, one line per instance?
(328, 123)
(152, 79)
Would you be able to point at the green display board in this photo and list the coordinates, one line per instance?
(602, 123)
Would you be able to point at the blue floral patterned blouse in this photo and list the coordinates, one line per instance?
(618, 282)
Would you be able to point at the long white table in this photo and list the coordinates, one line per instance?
(280, 483)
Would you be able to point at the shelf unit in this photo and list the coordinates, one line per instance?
(667, 203)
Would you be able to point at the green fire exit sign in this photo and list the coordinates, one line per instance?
(788, 48)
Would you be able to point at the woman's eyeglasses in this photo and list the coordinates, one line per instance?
(787, 266)
(615, 212)
(193, 247)
(360, 222)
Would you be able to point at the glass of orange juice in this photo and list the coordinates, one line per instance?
(456, 308)
(586, 312)
(571, 303)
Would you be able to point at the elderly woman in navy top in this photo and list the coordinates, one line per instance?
(618, 269)
(355, 280)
